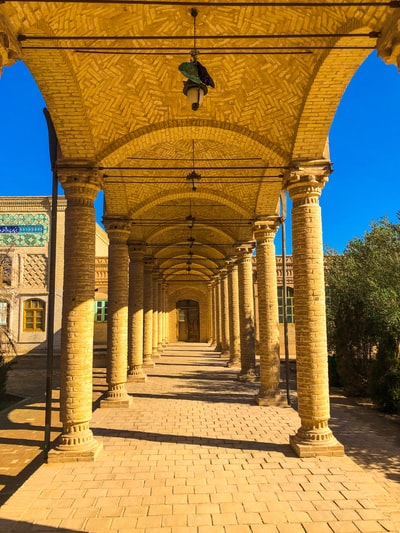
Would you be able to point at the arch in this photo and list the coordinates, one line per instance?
(173, 229)
(173, 130)
(188, 320)
(59, 86)
(225, 201)
(331, 77)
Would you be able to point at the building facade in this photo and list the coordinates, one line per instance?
(25, 232)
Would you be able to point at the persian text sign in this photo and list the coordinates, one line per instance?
(24, 229)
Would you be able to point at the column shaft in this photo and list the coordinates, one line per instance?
(314, 436)
(155, 353)
(117, 316)
(210, 314)
(246, 306)
(215, 314)
(224, 313)
(269, 393)
(160, 315)
(165, 314)
(218, 313)
(135, 314)
(76, 442)
(234, 318)
(148, 313)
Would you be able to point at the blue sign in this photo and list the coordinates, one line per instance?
(22, 229)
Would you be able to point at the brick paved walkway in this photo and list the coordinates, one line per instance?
(195, 455)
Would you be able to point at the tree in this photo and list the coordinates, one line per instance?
(363, 310)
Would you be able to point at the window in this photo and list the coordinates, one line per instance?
(3, 313)
(289, 305)
(100, 310)
(34, 315)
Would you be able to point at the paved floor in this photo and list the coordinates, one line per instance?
(195, 455)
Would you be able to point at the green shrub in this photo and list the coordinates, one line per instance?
(385, 378)
(334, 378)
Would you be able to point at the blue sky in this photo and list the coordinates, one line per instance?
(364, 144)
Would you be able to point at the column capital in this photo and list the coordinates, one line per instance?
(10, 49)
(137, 249)
(306, 179)
(79, 178)
(264, 230)
(217, 278)
(148, 262)
(118, 230)
(245, 249)
(223, 272)
(231, 262)
(388, 43)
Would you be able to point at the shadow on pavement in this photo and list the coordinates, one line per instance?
(236, 444)
(11, 526)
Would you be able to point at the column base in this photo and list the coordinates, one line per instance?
(316, 447)
(218, 347)
(155, 354)
(160, 348)
(225, 353)
(248, 375)
(233, 363)
(117, 403)
(137, 375)
(148, 363)
(271, 398)
(87, 452)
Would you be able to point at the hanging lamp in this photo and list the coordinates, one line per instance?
(193, 177)
(196, 86)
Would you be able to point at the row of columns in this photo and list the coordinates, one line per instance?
(136, 314)
(137, 323)
(233, 309)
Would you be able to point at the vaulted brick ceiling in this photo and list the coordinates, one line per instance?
(124, 111)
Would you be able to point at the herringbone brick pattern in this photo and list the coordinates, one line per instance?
(274, 100)
(195, 455)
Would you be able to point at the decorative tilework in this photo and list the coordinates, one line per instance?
(24, 229)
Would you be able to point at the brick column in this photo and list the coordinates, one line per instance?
(269, 393)
(155, 353)
(210, 314)
(135, 313)
(76, 443)
(314, 436)
(165, 314)
(160, 315)
(148, 313)
(215, 313)
(117, 315)
(234, 318)
(218, 313)
(246, 310)
(224, 313)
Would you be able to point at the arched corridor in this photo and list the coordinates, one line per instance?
(189, 193)
(196, 454)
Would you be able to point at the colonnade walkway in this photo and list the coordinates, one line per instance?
(195, 454)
